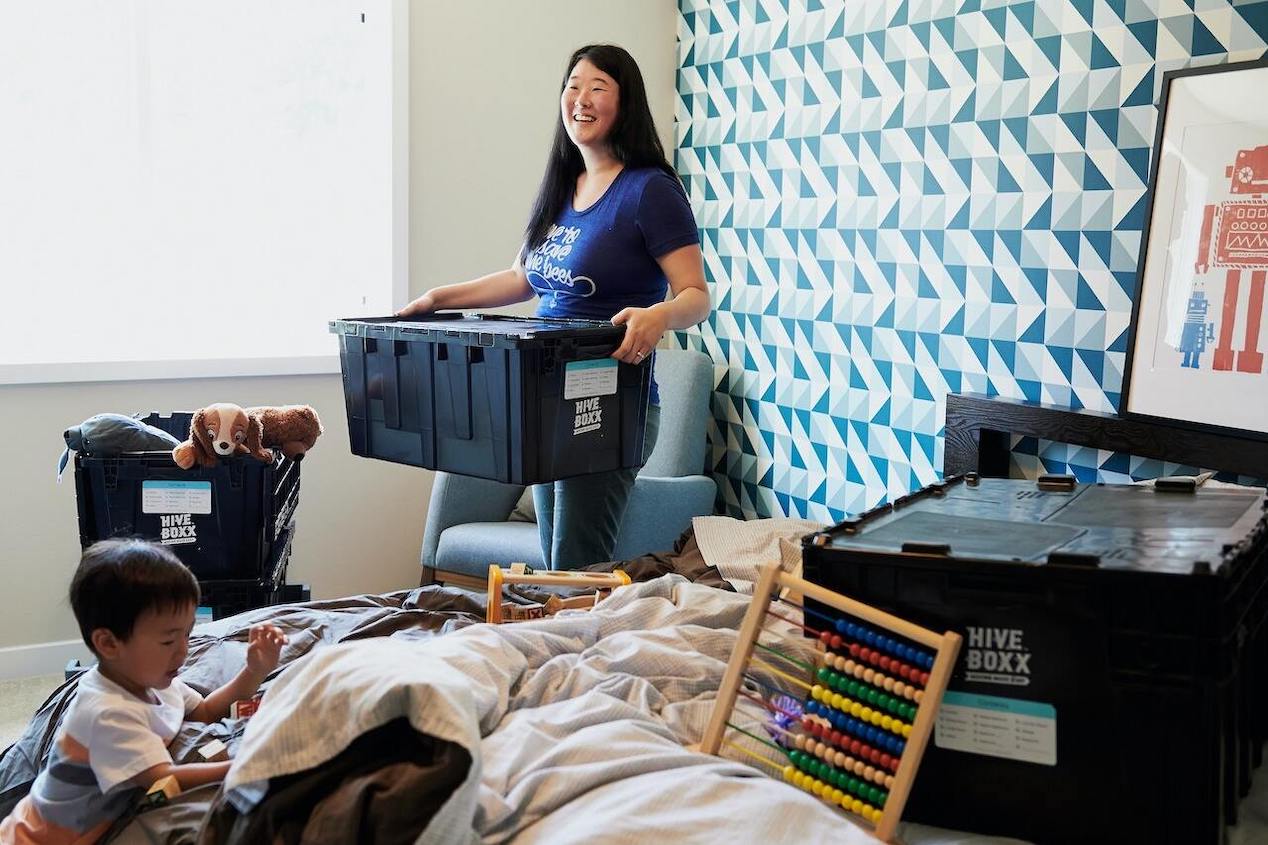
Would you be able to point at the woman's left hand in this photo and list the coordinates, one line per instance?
(643, 330)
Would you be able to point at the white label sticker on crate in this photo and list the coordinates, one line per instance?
(997, 727)
(176, 497)
(590, 378)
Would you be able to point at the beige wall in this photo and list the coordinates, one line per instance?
(484, 86)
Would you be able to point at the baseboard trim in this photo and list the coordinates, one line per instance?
(24, 661)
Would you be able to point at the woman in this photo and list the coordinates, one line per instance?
(610, 234)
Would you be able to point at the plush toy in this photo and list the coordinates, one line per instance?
(107, 435)
(218, 431)
(225, 429)
(292, 428)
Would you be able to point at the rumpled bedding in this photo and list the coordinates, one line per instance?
(567, 729)
(576, 728)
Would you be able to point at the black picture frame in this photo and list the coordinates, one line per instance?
(1154, 387)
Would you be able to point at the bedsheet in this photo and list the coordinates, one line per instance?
(576, 728)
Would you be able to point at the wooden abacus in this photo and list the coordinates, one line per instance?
(519, 573)
(872, 702)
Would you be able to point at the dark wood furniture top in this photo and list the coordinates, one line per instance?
(978, 429)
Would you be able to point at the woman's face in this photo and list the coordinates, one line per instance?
(589, 105)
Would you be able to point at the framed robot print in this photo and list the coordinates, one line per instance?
(1197, 340)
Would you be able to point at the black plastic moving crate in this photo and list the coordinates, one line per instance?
(1111, 687)
(221, 522)
(225, 597)
(515, 399)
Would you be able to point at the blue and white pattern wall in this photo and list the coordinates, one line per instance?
(904, 198)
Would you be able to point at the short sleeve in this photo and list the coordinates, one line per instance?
(121, 745)
(190, 697)
(664, 216)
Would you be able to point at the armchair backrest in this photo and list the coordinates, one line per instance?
(685, 380)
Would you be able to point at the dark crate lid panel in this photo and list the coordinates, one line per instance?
(1123, 527)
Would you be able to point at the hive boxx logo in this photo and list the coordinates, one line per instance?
(997, 656)
(178, 529)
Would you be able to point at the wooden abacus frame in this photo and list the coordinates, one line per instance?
(946, 648)
(519, 573)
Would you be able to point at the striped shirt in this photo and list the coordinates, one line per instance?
(107, 737)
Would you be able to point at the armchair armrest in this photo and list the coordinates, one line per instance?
(459, 499)
(659, 510)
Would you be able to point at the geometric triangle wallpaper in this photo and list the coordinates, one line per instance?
(898, 200)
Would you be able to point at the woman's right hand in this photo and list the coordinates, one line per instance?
(425, 304)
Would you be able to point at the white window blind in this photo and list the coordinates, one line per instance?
(192, 188)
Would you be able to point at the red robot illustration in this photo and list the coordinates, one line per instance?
(1239, 228)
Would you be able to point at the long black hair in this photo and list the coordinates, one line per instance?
(633, 139)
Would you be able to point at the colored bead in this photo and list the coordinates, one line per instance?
(887, 761)
(883, 663)
(917, 695)
(886, 722)
(825, 637)
(840, 626)
(836, 641)
(855, 649)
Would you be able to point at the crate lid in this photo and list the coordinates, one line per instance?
(478, 329)
(1096, 526)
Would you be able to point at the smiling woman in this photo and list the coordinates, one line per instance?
(610, 236)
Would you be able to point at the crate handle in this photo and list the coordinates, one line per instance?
(583, 351)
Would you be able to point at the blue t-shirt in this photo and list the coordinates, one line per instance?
(595, 262)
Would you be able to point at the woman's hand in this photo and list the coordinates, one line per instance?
(643, 330)
(264, 648)
(425, 304)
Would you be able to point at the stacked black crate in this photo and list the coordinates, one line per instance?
(231, 524)
(1115, 646)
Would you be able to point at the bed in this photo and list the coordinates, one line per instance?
(398, 718)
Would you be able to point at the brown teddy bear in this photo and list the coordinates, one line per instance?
(224, 429)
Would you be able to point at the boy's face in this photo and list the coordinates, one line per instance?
(153, 654)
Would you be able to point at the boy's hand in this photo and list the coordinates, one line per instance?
(264, 648)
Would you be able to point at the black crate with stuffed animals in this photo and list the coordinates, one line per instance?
(1113, 685)
(519, 400)
(223, 522)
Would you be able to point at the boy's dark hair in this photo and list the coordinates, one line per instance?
(118, 580)
(633, 139)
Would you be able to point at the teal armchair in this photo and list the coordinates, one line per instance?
(469, 523)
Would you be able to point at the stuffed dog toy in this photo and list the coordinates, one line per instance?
(224, 429)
